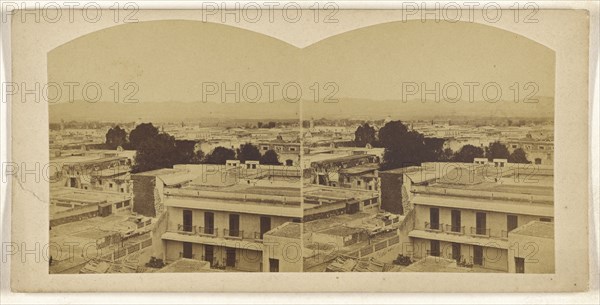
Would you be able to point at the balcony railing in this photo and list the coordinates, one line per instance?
(210, 231)
(454, 229)
(186, 229)
(192, 257)
(233, 233)
(504, 234)
(433, 226)
(214, 232)
(480, 231)
(433, 253)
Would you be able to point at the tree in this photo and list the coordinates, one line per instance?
(197, 157)
(116, 137)
(270, 158)
(496, 150)
(364, 134)
(156, 152)
(468, 153)
(248, 152)
(407, 148)
(447, 155)
(141, 133)
(184, 151)
(220, 155)
(518, 156)
(389, 134)
(433, 149)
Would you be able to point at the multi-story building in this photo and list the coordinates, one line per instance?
(288, 151)
(473, 211)
(226, 227)
(233, 217)
(538, 152)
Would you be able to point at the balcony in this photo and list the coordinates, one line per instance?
(504, 234)
(433, 226)
(454, 229)
(208, 231)
(234, 234)
(480, 231)
(214, 232)
(186, 229)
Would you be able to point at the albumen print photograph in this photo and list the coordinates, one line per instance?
(189, 146)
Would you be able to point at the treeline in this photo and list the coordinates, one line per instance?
(161, 150)
(404, 147)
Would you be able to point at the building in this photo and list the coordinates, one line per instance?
(325, 201)
(538, 152)
(236, 217)
(364, 177)
(472, 212)
(395, 185)
(288, 151)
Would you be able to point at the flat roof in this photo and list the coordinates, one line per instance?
(486, 204)
(242, 188)
(160, 172)
(402, 170)
(435, 264)
(341, 231)
(86, 196)
(360, 169)
(336, 193)
(345, 158)
(537, 229)
(288, 230)
(187, 265)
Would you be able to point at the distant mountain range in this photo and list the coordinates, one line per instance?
(349, 108)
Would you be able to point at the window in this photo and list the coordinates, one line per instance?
(122, 190)
(538, 161)
(478, 255)
(512, 222)
(187, 250)
(519, 265)
(209, 254)
(126, 203)
(273, 265)
(514, 146)
(435, 248)
(480, 223)
(265, 148)
(434, 218)
(292, 148)
(545, 219)
(110, 185)
(234, 225)
(119, 205)
(187, 221)
(541, 147)
(209, 223)
(456, 252)
(265, 225)
(455, 221)
(230, 257)
(358, 182)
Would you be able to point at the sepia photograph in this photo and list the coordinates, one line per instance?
(283, 149)
(207, 171)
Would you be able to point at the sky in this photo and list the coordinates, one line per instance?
(174, 62)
